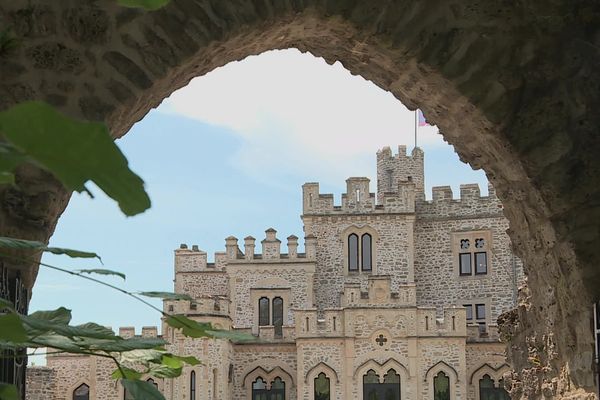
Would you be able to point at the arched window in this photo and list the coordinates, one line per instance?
(366, 252)
(441, 387)
(259, 389)
(322, 387)
(263, 311)
(277, 391)
(388, 390)
(278, 316)
(488, 391)
(193, 385)
(353, 252)
(82, 392)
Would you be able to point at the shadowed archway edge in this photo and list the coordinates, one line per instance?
(513, 88)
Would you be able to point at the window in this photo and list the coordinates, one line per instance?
(353, 252)
(472, 252)
(489, 391)
(278, 316)
(322, 387)
(263, 311)
(82, 392)
(260, 391)
(193, 385)
(366, 252)
(360, 252)
(476, 313)
(441, 387)
(388, 390)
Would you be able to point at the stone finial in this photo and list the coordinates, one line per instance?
(271, 246)
(249, 245)
(183, 246)
(310, 243)
(292, 245)
(195, 247)
(231, 247)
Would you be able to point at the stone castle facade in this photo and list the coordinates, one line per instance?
(395, 297)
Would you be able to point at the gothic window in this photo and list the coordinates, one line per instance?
(260, 391)
(441, 386)
(278, 316)
(489, 391)
(472, 250)
(366, 252)
(322, 387)
(388, 390)
(82, 392)
(353, 252)
(193, 385)
(263, 311)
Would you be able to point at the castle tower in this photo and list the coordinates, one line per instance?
(395, 169)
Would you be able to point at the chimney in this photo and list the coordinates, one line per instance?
(310, 243)
(271, 246)
(231, 247)
(249, 247)
(292, 245)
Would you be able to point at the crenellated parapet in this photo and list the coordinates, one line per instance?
(127, 332)
(309, 323)
(470, 203)
(394, 169)
(270, 250)
(200, 305)
(452, 323)
(358, 199)
(379, 294)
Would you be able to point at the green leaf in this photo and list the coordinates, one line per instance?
(75, 152)
(146, 4)
(59, 316)
(101, 272)
(141, 390)
(231, 335)
(166, 295)
(135, 343)
(126, 373)
(189, 327)
(164, 371)
(9, 392)
(23, 244)
(11, 328)
(191, 360)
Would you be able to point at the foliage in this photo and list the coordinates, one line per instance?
(74, 151)
(149, 5)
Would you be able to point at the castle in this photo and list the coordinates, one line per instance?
(395, 297)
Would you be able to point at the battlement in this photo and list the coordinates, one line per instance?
(470, 203)
(205, 305)
(127, 332)
(392, 170)
(195, 260)
(358, 199)
(379, 294)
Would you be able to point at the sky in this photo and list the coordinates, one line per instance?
(227, 155)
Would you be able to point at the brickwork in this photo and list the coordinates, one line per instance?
(400, 308)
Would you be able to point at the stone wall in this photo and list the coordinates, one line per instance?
(41, 383)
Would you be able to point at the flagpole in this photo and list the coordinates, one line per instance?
(416, 124)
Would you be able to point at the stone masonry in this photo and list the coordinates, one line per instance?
(401, 311)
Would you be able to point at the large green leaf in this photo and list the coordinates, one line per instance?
(11, 328)
(189, 327)
(231, 335)
(166, 295)
(164, 371)
(9, 392)
(146, 4)
(59, 316)
(100, 271)
(74, 151)
(141, 390)
(23, 244)
(126, 373)
(130, 344)
(175, 360)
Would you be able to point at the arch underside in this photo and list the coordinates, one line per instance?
(514, 92)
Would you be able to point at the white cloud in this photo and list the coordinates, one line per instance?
(297, 113)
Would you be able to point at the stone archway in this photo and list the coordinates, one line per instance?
(513, 87)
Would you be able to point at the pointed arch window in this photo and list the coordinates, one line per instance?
(193, 385)
(322, 387)
(278, 316)
(353, 252)
(263, 311)
(275, 392)
(441, 386)
(366, 253)
(82, 392)
(389, 389)
(489, 391)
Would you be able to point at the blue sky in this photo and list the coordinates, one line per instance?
(227, 155)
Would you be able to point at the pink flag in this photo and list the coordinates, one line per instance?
(422, 120)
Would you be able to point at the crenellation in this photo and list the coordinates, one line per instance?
(393, 169)
(128, 332)
(470, 203)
